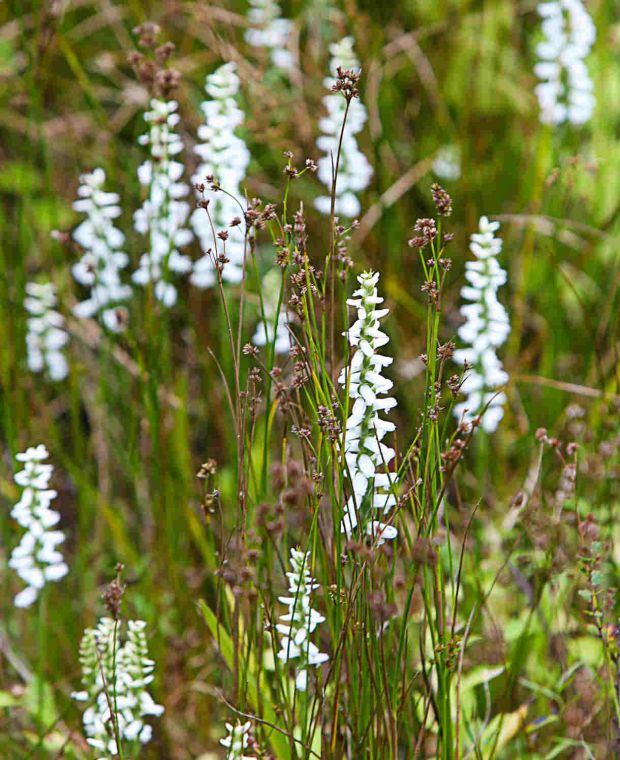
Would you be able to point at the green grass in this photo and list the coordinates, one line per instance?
(487, 614)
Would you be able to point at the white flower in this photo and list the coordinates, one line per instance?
(565, 92)
(486, 327)
(447, 163)
(264, 334)
(223, 154)
(36, 559)
(99, 268)
(300, 621)
(46, 335)
(237, 741)
(364, 453)
(125, 670)
(265, 337)
(163, 214)
(354, 171)
(269, 30)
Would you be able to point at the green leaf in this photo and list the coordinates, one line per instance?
(541, 689)
(39, 702)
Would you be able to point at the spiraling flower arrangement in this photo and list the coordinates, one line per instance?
(223, 154)
(100, 266)
(354, 171)
(36, 559)
(269, 30)
(46, 334)
(486, 328)
(300, 621)
(364, 454)
(163, 213)
(565, 91)
(115, 675)
(237, 741)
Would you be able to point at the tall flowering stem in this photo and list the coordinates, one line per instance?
(46, 331)
(366, 457)
(354, 171)
(225, 155)
(429, 504)
(114, 679)
(565, 92)
(100, 266)
(300, 621)
(36, 559)
(486, 328)
(164, 214)
(269, 30)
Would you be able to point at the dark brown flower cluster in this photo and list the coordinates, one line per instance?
(300, 230)
(328, 421)
(257, 216)
(294, 488)
(113, 594)
(441, 199)
(284, 388)
(430, 288)
(452, 456)
(347, 82)
(426, 229)
(150, 67)
(427, 232)
(240, 572)
(292, 172)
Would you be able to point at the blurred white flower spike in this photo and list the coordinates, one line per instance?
(100, 266)
(46, 334)
(486, 328)
(269, 30)
(36, 559)
(447, 163)
(354, 171)
(366, 457)
(224, 155)
(565, 92)
(264, 334)
(300, 621)
(237, 741)
(163, 214)
(124, 671)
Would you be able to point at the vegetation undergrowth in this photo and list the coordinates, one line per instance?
(309, 380)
